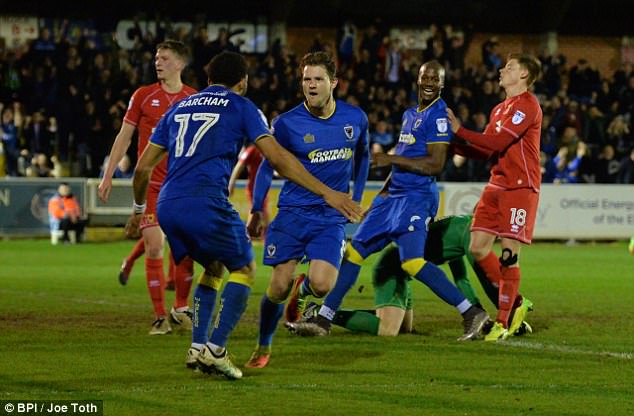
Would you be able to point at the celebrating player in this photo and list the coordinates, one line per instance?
(508, 204)
(330, 138)
(203, 135)
(403, 213)
(146, 107)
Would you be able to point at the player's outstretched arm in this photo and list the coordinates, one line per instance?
(496, 142)
(361, 167)
(119, 148)
(432, 164)
(263, 179)
(289, 167)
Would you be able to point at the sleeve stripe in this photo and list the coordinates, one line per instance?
(157, 145)
(262, 136)
(515, 135)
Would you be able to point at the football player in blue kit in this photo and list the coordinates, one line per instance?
(202, 136)
(330, 138)
(401, 213)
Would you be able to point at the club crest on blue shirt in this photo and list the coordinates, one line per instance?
(309, 138)
(441, 125)
(518, 117)
(270, 250)
(349, 130)
(417, 123)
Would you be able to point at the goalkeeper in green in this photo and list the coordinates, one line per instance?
(447, 242)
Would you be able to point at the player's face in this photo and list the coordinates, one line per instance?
(317, 86)
(168, 64)
(429, 84)
(511, 74)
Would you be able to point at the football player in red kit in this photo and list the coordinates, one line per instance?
(508, 205)
(147, 105)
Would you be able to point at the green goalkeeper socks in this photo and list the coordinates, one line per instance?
(357, 320)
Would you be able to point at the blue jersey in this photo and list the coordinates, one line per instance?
(419, 128)
(332, 149)
(204, 134)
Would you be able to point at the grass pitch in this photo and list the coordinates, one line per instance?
(68, 330)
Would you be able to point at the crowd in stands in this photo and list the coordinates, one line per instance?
(62, 101)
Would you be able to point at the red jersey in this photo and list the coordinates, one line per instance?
(146, 107)
(513, 136)
(251, 157)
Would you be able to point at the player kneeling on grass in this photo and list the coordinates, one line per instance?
(447, 242)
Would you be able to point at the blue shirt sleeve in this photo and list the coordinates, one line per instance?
(279, 131)
(361, 162)
(438, 127)
(263, 179)
(254, 122)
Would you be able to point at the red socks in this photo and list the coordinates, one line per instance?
(491, 266)
(156, 284)
(509, 286)
(183, 275)
(508, 281)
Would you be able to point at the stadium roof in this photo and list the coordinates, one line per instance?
(583, 17)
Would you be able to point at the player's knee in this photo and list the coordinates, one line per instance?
(154, 252)
(278, 289)
(413, 266)
(478, 251)
(275, 295)
(320, 288)
(352, 255)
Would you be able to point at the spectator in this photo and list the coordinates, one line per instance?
(40, 167)
(607, 165)
(619, 135)
(347, 41)
(10, 125)
(583, 81)
(490, 55)
(626, 169)
(65, 216)
(124, 169)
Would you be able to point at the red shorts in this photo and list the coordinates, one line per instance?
(507, 213)
(149, 217)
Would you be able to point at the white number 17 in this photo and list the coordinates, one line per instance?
(183, 120)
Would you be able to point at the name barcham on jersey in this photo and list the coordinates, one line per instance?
(322, 156)
(204, 100)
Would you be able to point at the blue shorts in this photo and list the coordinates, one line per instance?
(403, 219)
(206, 229)
(295, 237)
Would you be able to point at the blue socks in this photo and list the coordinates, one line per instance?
(204, 303)
(432, 276)
(270, 314)
(348, 273)
(233, 302)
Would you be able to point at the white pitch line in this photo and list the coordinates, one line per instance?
(569, 350)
